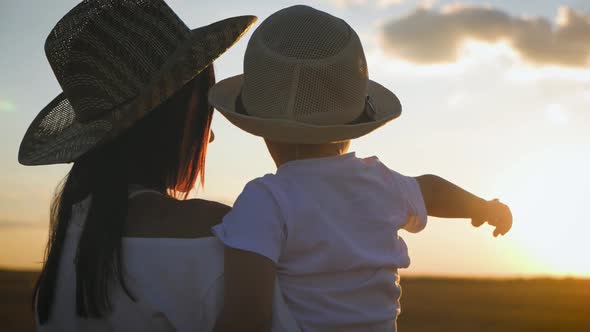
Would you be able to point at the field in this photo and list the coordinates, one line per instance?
(429, 304)
(538, 305)
(15, 303)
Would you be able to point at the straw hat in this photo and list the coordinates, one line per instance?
(116, 60)
(305, 81)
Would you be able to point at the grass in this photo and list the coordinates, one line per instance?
(15, 300)
(428, 304)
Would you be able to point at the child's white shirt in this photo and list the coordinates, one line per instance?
(331, 227)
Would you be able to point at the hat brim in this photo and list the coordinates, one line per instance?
(42, 145)
(223, 97)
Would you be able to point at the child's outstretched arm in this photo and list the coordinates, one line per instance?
(446, 200)
(249, 286)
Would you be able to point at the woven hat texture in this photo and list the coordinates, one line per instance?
(115, 61)
(305, 69)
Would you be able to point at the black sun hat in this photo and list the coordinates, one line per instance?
(116, 60)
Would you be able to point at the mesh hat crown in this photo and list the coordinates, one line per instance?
(304, 71)
(116, 60)
(312, 62)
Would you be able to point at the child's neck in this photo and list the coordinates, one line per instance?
(282, 161)
(283, 153)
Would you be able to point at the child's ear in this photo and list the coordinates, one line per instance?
(274, 149)
(345, 146)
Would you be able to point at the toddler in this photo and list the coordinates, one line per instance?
(326, 223)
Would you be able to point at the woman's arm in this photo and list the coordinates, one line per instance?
(249, 286)
(446, 200)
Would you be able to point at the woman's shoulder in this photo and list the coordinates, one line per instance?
(157, 216)
(211, 210)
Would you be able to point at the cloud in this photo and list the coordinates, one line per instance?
(432, 36)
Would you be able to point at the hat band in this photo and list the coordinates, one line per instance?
(369, 114)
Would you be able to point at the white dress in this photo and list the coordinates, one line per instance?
(178, 285)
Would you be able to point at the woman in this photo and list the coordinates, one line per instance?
(124, 253)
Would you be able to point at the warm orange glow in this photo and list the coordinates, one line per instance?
(22, 248)
(548, 189)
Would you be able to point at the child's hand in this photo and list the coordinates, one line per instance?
(496, 214)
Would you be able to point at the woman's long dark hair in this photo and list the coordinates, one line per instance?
(165, 151)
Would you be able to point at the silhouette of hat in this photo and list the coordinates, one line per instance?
(116, 60)
(305, 81)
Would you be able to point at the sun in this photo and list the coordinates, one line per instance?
(548, 195)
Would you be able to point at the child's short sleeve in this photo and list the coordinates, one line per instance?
(416, 209)
(254, 224)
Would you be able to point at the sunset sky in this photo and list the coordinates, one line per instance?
(495, 98)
